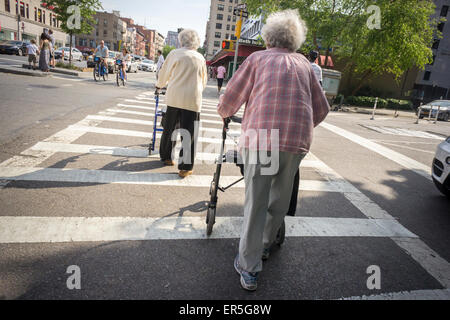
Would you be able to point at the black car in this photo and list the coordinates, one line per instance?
(14, 47)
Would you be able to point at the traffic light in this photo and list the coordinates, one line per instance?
(227, 45)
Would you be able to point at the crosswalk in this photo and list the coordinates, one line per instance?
(402, 132)
(114, 122)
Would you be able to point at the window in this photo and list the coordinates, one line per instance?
(218, 26)
(427, 75)
(105, 22)
(22, 9)
(440, 26)
(444, 11)
(436, 44)
(35, 14)
(105, 32)
(227, 36)
(229, 18)
(39, 19)
(228, 27)
(218, 35)
(234, 18)
(7, 6)
(233, 27)
(219, 16)
(220, 7)
(28, 11)
(43, 17)
(217, 44)
(230, 8)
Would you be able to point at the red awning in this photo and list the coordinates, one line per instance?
(228, 54)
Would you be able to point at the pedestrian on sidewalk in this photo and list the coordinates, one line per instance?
(32, 52)
(283, 100)
(52, 50)
(44, 56)
(185, 75)
(221, 71)
(313, 55)
(160, 63)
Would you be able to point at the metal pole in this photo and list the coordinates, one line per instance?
(374, 108)
(418, 114)
(235, 56)
(437, 114)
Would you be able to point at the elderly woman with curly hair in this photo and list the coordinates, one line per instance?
(185, 75)
(284, 102)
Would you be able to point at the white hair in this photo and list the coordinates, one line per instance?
(189, 38)
(285, 29)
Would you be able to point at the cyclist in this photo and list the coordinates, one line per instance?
(102, 52)
(125, 57)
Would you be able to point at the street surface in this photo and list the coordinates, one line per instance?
(79, 188)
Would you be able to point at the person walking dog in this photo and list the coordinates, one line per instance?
(185, 75)
(283, 100)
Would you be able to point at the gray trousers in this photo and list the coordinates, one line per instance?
(267, 199)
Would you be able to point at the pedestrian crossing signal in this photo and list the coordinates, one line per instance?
(227, 45)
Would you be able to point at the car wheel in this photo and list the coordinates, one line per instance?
(445, 117)
(442, 188)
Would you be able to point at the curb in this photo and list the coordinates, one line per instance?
(23, 72)
(379, 112)
(60, 71)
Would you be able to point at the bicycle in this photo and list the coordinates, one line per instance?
(120, 76)
(100, 72)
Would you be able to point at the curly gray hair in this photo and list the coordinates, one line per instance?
(285, 29)
(189, 38)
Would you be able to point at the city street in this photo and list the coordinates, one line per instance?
(78, 188)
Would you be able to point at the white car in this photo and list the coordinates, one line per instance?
(76, 54)
(148, 65)
(442, 105)
(132, 66)
(441, 168)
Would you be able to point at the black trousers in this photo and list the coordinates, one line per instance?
(186, 120)
(294, 196)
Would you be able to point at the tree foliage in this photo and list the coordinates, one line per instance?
(87, 10)
(166, 50)
(340, 28)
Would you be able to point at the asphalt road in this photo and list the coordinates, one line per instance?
(79, 189)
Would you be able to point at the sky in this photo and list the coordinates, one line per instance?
(164, 15)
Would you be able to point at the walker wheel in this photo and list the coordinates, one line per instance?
(210, 220)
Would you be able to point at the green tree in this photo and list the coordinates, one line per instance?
(166, 50)
(201, 50)
(403, 40)
(76, 16)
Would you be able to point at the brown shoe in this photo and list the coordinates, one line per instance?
(185, 173)
(169, 163)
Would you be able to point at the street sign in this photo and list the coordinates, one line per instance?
(237, 12)
(242, 6)
(249, 41)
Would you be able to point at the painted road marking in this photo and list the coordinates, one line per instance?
(98, 229)
(397, 157)
(403, 132)
(144, 178)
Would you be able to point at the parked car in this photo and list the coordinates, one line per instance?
(90, 61)
(444, 111)
(14, 47)
(148, 65)
(132, 65)
(76, 54)
(441, 168)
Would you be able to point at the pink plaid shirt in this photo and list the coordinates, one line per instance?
(281, 92)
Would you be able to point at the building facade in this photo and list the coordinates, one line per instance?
(172, 39)
(109, 28)
(434, 82)
(221, 25)
(26, 20)
(251, 29)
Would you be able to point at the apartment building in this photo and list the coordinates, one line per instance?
(109, 28)
(26, 20)
(221, 25)
(172, 39)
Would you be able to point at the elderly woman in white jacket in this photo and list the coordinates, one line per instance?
(185, 75)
